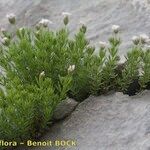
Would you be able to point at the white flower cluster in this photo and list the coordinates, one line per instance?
(142, 38)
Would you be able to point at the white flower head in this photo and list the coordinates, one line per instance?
(42, 74)
(144, 38)
(136, 40)
(71, 68)
(103, 44)
(66, 14)
(11, 18)
(45, 22)
(115, 28)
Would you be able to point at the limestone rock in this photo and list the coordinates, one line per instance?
(64, 109)
(108, 122)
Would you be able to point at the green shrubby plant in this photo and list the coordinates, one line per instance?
(31, 94)
(135, 73)
(95, 68)
(131, 69)
(26, 109)
(109, 73)
(42, 67)
(77, 55)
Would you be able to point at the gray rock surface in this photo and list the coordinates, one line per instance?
(132, 15)
(64, 109)
(109, 122)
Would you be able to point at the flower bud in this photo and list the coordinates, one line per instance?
(5, 41)
(144, 38)
(71, 68)
(37, 34)
(42, 75)
(37, 26)
(66, 17)
(11, 18)
(83, 29)
(66, 20)
(115, 28)
(136, 40)
(103, 45)
(22, 31)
